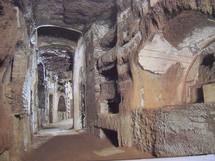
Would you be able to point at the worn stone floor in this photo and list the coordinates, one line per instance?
(83, 147)
(64, 127)
(80, 147)
(59, 142)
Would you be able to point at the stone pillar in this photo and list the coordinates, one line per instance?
(55, 106)
(77, 79)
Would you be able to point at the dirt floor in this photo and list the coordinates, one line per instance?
(80, 147)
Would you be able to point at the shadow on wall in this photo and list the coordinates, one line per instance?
(58, 32)
(112, 136)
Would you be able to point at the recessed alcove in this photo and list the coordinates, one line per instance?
(112, 136)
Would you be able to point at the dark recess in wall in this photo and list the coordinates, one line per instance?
(59, 33)
(208, 60)
(112, 136)
(113, 105)
(110, 74)
(200, 95)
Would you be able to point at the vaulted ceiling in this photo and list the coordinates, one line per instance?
(78, 14)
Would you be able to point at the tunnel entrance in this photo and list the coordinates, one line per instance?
(113, 105)
(58, 32)
(112, 136)
(60, 57)
(208, 60)
(56, 77)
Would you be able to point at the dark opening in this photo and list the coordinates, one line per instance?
(1, 9)
(200, 95)
(18, 4)
(111, 43)
(112, 136)
(154, 22)
(41, 87)
(110, 39)
(59, 33)
(71, 60)
(208, 60)
(110, 74)
(113, 105)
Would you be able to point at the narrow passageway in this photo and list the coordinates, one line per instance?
(60, 133)
(80, 147)
(59, 128)
(88, 80)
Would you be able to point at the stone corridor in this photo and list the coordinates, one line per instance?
(107, 79)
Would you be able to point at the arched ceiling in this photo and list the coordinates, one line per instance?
(76, 13)
(59, 32)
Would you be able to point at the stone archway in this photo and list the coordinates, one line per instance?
(192, 86)
(77, 66)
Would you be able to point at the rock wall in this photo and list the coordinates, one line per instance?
(15, 129)
(91, 99)
(78, 14)
(155, 59)
(175, 131)
(5, 61)
(99, 52)
(138, 56)
(148, 18)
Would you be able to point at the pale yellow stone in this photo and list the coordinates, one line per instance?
(209, 93)
(108, 151)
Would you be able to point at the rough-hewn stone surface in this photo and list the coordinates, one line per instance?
(176, 131)
(73, 13)
(191, 126)
(137, 23)
(143, 123)
(13, 125)
(5, 63)
(57, 60)
(115, 31)
(119, 123)
(8, 24)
